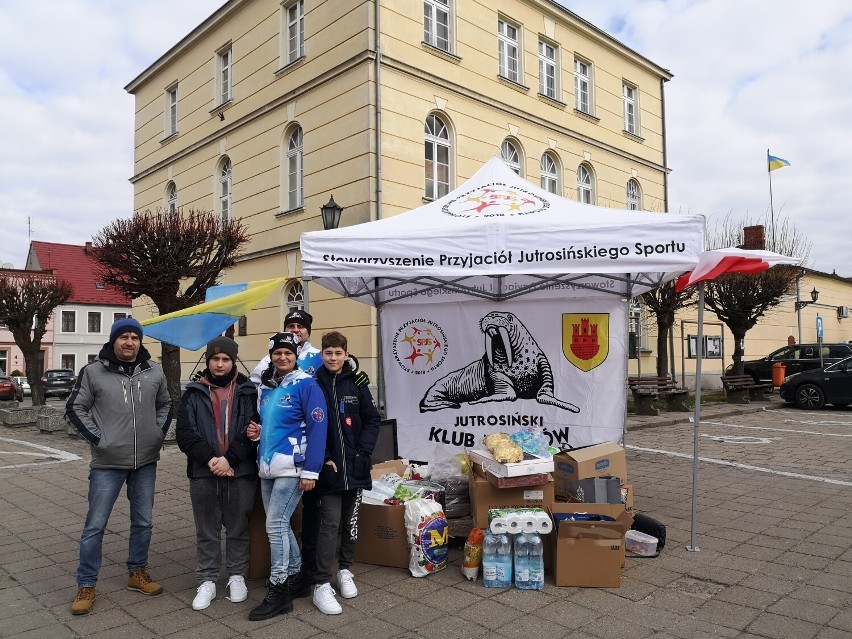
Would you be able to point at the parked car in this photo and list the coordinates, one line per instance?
(815, 388)
(9, 389)
(58, 381)
(24, 383)
(797, 358)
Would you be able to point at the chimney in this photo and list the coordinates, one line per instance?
(88, 248)
(754, 238)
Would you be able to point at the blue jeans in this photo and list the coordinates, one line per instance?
(280, 498)
(104, 487)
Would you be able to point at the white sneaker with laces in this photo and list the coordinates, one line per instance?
(206, 594)
(325, 601)
(237, 588)
(346, 584)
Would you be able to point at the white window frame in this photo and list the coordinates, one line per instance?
(583, 86)
(437, 142)
(293, 31)
(295, 169)
(437, 16)
(225, 61)
(295, 296)
(171, 197)
(73, 357)
(630, 94)
(548, 63)
(634, 195)
(511, 156)
(585, 185)
(172, 110)
(225, 189)
(508, 50)
(89, 317)
(549, 173)
(62, 322)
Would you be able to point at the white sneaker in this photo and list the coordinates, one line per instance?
(324, 599)
(237, 589)
(206, 594)
(346, 584)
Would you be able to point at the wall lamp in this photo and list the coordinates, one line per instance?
(814, 297)
(331, 214)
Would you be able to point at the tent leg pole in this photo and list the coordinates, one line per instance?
(693, 547)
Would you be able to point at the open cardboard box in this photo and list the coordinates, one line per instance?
(599, 460)
(589, 553)
(531, 464)
(484, 496)
(382, 538)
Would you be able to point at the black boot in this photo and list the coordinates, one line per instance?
(276, 602)
(299, 586)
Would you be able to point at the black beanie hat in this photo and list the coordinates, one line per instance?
(122, 326)
(218, 345)
(284, 340)
(299, 317)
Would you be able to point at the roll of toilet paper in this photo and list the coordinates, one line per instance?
(531, 522)
(544, 525)
(499, 525)
(515, 522)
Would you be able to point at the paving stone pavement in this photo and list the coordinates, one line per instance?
(773, 527)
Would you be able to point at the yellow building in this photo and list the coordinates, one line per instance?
(268, 108)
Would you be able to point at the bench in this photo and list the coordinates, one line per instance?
(742, 389)
(647, 390)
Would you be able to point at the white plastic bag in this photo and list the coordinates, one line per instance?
(428, 536)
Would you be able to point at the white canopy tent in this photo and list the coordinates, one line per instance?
(498, 237)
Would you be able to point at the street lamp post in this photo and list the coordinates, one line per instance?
(800, 304)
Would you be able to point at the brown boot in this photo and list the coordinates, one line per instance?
(141, 581)
(83, 602)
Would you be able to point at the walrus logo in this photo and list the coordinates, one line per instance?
(513, 367)
(495, 200)
(585, 339)
(419, 346)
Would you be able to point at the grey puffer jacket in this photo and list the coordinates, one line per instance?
(123, 416)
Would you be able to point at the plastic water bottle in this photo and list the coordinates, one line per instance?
(522, 562)
(536, 562)
(489, 560)
(504, 560)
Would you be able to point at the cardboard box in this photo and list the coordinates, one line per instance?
(589, 554)
(530, 465)
(516, 482)
(603, 490)
(382, 539)
(484, 496)
(600, 460)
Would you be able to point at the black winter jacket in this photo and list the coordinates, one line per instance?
(353, 428)
(196, 435)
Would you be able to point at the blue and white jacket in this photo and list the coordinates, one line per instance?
(294, 423)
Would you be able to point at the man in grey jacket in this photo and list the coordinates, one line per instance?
(121, 406)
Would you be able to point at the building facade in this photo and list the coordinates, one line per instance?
(81, 325)
(268, 108)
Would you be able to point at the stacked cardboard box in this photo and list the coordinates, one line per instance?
(381, 529)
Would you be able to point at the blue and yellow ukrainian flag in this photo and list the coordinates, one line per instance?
(776, 162)
(193, 327)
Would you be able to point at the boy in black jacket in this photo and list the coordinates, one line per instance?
(353, 428)
(221, 464)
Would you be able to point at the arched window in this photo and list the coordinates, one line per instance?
(171, 197)
(585, 185)
(437, 158)
(634, 195)
(295, 296)
(510, 156)
(225, 190)
(295, 171)
(549, 174)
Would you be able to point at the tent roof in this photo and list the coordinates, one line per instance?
(500, 226)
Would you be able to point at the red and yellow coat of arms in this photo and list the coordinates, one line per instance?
(585, 339)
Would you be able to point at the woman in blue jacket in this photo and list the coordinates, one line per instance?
(291, 452)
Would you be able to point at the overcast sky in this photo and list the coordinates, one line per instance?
(748, 75)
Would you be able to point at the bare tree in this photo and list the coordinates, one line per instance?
(27, 301)
(171, 258)
(664, 302)
(741, 300)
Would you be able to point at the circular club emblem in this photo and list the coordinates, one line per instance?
(495, 200)
(317, 414)
(419, 346)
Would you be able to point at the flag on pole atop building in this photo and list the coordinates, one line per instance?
(193, 327)
(776, 162)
